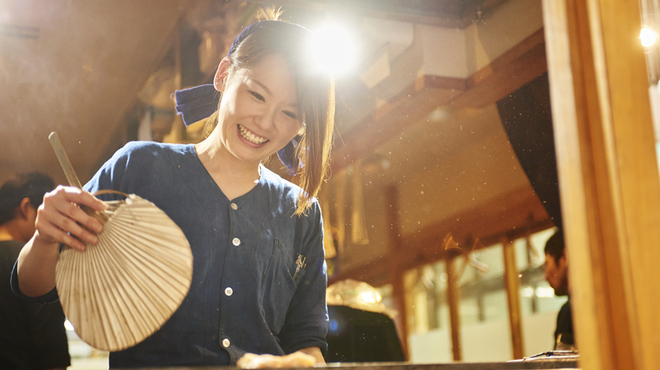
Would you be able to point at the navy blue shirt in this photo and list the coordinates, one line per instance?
(247, 293)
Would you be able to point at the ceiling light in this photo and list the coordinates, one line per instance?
(333, 49)
(648, 37)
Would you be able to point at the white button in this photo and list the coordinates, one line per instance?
(226, 343)
(234, 206)
(229, 291)
(236, 242)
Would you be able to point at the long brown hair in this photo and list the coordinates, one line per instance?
(315, 92)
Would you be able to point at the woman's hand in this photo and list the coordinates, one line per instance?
(60, 218)
(296, 359)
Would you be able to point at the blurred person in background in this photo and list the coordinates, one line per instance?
(556, 273)
(32, 334)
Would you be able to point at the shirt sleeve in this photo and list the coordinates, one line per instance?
(306, 323)
(46, 298)
(110, 174)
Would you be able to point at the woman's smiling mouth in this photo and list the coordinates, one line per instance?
(250, 136)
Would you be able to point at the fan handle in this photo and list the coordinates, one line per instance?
(71, 174)
(64, 160)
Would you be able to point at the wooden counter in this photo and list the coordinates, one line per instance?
(567, 363)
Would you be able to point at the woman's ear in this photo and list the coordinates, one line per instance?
(221, 74)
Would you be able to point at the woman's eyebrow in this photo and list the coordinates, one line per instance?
(263, 87)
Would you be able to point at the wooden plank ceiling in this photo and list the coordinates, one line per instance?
(74, 67)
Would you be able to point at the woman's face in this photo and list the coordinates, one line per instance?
(258, 112)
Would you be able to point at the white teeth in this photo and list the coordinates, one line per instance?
(249, 136)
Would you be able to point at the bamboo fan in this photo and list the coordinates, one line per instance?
(121, 290)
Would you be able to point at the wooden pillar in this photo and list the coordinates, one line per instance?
(512, 282)
(396, 274)
(177, 130)
(453, 299)
(608, 178)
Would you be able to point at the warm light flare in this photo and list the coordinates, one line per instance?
(333, 49)
(370, 297)
(545, 292)
(648, 37)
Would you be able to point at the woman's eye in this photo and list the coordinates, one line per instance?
(291, 114)
(258, 96)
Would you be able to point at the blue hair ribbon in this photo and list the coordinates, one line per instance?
(196, 103)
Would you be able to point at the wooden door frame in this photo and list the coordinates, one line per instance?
(608, 178)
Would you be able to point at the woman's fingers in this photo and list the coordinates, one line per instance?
(60, 218)
(77, 196)
(50, 234)
(75, 216)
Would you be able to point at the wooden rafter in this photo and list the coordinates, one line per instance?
(512, 70)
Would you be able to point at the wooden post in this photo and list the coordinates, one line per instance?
(177, 130)
(608, 177)
(453, 298)
(396, 274)
(512, 282)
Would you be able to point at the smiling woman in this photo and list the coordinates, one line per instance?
(256, 239)
(422, 150)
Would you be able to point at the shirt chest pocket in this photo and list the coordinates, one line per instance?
(279, 283)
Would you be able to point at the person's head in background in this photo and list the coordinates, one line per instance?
(20, 197)
(278, 53)
(556, 264)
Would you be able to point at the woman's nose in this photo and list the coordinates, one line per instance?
(265, 120)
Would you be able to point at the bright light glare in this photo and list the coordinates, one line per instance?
(648, 37)
(333, 49)
(68, 325)
(545, 292)
(527, 292)
(370, 297)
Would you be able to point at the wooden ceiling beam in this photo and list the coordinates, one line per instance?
(512, 70)
(447, 13)
(409, 106)
(506, 74)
